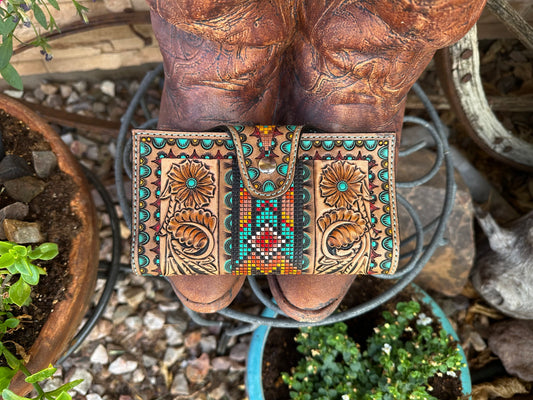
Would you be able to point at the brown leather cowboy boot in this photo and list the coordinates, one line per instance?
(349, 70)
(221, 67)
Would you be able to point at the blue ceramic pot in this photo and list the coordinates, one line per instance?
(253, 379)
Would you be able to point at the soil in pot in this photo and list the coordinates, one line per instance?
(280, 353)
(52, 210)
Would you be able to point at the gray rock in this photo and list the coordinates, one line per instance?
(13, 167)
(24, 189)
(67, 138)
(65, 91)
(122, 366)
(173, 354)
(48, 88)
(54, 101)
(502, 273)
(174, 336)
(80, 86)
(179, 386)
(22, 232)
(87, 377)
(73, 98)
(239, 352)
(44, 162)
(108, 88)
(512, 342)
(121, 313)
(149, 361)
(100, 355)
(134, 323)
(208, 344)
(16, 210)
(78, 148)
(93, 396)
(154, 320)
(219, 392)
(39, 94)
(221, 363)
(133, 296)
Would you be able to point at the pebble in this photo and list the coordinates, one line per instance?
(44, 162)
(24, 189)
(218, 393)
(168, 307)
(48, 88)
(192, 339)
(54, 101)
(221, 363)
(138, 376)
(134, 322)
(13, 167)
(65, 90)
(239, 352)
(149, 361)
(73, 98)
(93, 396)
(121, 313)
(133, 296)
(22, 232)
(208, 344)
(98, 107)
(174, 336)
(198, 369)
(85, 385)
(67, 138)
(100, 355)
(102, 330)
(108, 88)
(173, 354)
(80, 86)
(179, 386)
(16, 94)
(16, 210)
(122, 366)
(154, 320)
(78, 148)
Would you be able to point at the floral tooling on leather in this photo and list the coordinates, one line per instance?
(263, 200)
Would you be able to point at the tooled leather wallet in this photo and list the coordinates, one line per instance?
(249, 200)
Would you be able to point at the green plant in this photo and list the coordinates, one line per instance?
(401, 356)
(17, 261)
(18, 12)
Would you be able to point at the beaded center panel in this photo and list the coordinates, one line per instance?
(267, 234)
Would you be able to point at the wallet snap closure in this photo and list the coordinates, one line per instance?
(266, 156)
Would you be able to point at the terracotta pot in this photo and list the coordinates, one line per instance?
(254, 362)
(64, 320)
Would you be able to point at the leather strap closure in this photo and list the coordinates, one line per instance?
(267, 171)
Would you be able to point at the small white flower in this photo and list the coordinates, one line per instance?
(386, 348)
(451, 373)
(345, 397)
(423, 319)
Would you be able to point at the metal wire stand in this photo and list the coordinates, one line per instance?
(244, 322)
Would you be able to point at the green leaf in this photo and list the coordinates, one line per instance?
(20, 251)
(12, 361)
(6, 51)
(54, 4)
(11, 322)
(6, 374)
(65, 388)
(41, 375)
(5, 247)
(19, 293)
(64, 396)
(7, 26)
(9, 395)
(7, 260)
(45, 251)
(39, 16)
(11, 76)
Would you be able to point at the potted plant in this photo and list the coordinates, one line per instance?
(67, 216)
(406, 349)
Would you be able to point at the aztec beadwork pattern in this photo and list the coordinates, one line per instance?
(263, 200)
